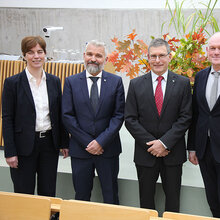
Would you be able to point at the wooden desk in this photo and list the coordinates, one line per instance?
(55, 204)
(23, 207)
(75, 209)
(159, 218)
(55, 208)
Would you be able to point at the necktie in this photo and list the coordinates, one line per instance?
(214, 90)
(94, 95)
(159, 95)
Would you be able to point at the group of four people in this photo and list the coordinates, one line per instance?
(85, 121)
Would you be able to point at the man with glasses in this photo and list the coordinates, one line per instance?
(157, 114)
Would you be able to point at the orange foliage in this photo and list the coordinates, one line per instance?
(132, 35)
(113, 57)
(130, 56)
(123, 46)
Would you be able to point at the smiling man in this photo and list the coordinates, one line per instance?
(93, 113)
(204, 134)
(157, 114)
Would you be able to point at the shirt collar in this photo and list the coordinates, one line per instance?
(212, 70)
(154, 76)
(90, 75)
(31, 77)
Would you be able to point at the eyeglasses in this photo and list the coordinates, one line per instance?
(160, 57)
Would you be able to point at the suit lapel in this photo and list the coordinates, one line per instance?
(217, 102)
(150, 99)
(84, 89)
(171, 80)
(104, 87)
(27, 89)
(50, 90)
(202, 88)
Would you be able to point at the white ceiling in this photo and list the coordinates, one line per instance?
(101, 3)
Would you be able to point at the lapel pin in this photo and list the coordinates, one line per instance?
(104, 80)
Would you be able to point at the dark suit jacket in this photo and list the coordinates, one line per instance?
(204, 119)
(19, 115)
(83, 124)
(144, 124)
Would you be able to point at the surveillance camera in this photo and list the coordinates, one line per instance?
(48, 29)
(46, 32)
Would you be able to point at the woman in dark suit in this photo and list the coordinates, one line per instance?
(32, 127)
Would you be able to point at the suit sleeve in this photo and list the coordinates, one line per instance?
(192, 128)
(117, 118)
(8, 117)
(139, 133)
(180, 126)
(70, 119)
(63, 132)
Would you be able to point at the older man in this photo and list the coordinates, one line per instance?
(204, 134)
(93, 113)
(157, 114)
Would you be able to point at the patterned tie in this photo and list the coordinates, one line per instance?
(94, 95)
(159, 95)
(214, 90)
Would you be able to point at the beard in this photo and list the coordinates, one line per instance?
(92, 69)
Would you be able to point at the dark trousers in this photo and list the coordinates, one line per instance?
(43, 162)
(171, 183)
(83, 172)
(210, 171)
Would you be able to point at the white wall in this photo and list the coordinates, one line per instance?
(100, 3)
(81, 25)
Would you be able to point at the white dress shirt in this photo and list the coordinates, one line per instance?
(163, 86)
(40, 97)
(163, 81)
(90, 82)
(209, 84)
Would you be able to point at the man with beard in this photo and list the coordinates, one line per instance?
(93, 113)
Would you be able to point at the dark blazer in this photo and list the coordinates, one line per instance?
(84, 124)
(19, 115)
(143, 122)
(204, 119)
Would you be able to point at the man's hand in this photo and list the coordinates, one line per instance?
(193, 158)
(12, 161)
(65, 152)
(94, 148)
(157, 149)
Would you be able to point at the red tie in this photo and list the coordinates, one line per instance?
(159, 95)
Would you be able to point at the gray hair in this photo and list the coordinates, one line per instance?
(97, 43)
(159, 42)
